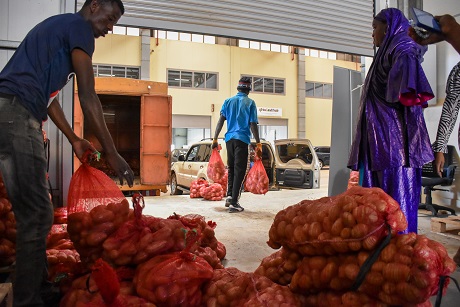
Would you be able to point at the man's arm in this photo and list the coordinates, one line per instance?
(219, 126)
(255, 132)
(92, 111)
(79, 145)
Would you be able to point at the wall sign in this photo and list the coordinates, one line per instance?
(264, 111)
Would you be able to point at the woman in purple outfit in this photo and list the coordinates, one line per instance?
(391, 142)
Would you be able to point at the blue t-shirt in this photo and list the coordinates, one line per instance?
(42, 64)
(239, 111)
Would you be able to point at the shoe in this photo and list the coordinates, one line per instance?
(228, 201)
(235, 208)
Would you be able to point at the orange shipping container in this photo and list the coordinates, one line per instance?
(138, 115)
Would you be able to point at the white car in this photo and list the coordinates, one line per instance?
(297, 164)
(193, 165)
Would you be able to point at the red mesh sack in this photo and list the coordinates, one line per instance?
(60, 215)
(102, 287)
(89, 188)
(63, 263)
(89, 230)
(280, 266)
(407, 271)
(257, 179)
(216, 167)
(232, 287)
(224, 183)
(212, 192)
(142, 238)
(174, 279)
(58, 238)
(341, 299)
(351, 221)
(198, 222)
(195, 187)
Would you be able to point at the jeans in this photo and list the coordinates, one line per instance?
(23, 166)
(237, 160)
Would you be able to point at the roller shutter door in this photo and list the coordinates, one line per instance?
(336, 25)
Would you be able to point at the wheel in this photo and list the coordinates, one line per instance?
(173, 185)
(321, 164)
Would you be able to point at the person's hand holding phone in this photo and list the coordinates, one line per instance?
(447, 23)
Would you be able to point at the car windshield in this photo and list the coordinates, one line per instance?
(287, 152)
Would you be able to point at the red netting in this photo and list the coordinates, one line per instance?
(89, 188)
(216, 167)
(257, 179)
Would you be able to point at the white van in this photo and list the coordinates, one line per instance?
(297, 164)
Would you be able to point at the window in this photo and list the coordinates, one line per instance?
(192, 79)
(192, 154)
(183, 36)
(263, 46)
(125, 31)
(291, 151)
(204, 153)
(116, 71)
(318, 89)
(267, 85)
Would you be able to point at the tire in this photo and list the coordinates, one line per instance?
(321, 164)
(173, 186)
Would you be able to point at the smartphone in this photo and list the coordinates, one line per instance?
(425, 21)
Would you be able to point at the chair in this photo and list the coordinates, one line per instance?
(430, 179)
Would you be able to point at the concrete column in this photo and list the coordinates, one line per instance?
(145, 54)
(301, 133)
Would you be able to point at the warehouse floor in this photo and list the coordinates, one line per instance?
(245, 234)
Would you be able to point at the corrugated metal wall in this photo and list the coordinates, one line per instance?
(337, 25)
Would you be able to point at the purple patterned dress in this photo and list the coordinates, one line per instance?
(391, 141)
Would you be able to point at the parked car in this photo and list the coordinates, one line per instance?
(297, 164)
(324, 155)
(176, 153)
(194, 164)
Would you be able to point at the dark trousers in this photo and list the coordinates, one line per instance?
(237, 161)
(23, 167)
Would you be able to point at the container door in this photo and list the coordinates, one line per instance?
(156, 119)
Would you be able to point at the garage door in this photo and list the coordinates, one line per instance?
(336, 25)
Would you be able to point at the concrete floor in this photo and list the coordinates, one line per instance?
(245, 234)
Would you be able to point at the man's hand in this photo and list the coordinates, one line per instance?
(259, 150)
(215, 144)
(439, 163)
(122, 168)
(80, 146)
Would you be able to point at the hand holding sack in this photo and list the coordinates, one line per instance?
(216, 167)
(257, 179)
(89, 188)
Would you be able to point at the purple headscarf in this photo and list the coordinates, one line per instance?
(391, 129)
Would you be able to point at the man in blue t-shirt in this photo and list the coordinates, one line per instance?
(240, 111)
(51, 53)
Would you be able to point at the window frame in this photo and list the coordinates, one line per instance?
(262, 79)
(193, 72)
(130, 69)
(315, 87)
